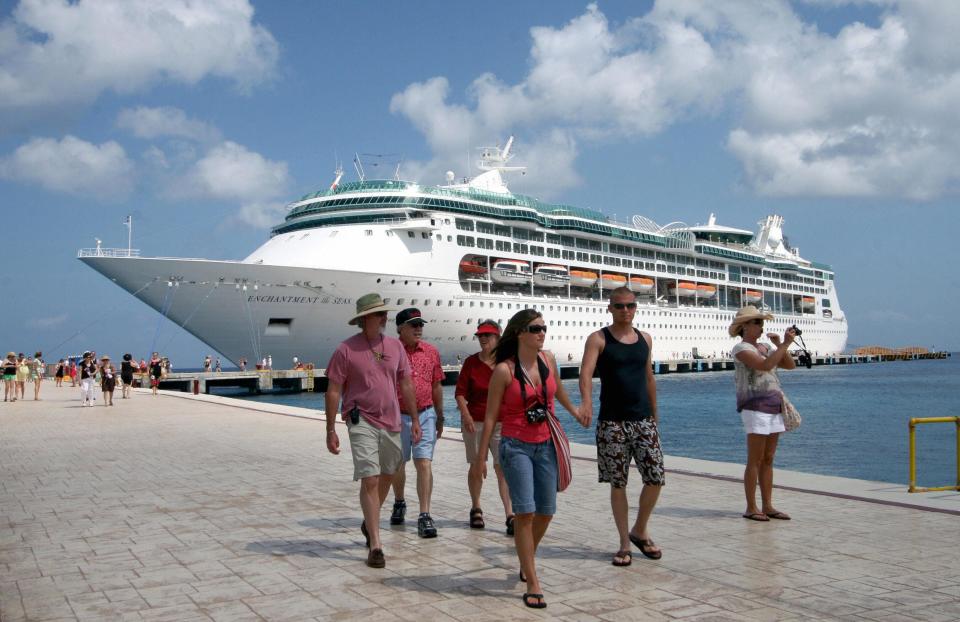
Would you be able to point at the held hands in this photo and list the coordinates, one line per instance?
(585, 414)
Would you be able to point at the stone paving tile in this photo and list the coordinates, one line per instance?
(173, 509)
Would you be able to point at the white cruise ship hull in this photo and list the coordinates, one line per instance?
(217, 302)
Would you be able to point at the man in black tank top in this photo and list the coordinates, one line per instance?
(627, 425)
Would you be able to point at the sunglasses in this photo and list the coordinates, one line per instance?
(757, 322)
(536, 329)
(623, 305)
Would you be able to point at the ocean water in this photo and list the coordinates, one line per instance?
(855, 418)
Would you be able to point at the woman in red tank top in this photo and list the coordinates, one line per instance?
(523, 387)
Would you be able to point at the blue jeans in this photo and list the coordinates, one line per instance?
(531, 473)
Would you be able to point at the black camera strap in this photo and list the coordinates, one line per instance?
(522, 378)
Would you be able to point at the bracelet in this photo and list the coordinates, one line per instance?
(331, 431)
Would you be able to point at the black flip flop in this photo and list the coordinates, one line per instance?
(535, 605)
(625, 555)
(760, 517)
(640, 543)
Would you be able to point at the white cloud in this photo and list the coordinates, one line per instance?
(869, 111)
(55, 55)
(165, 121)
(231, 172)
(72, 166)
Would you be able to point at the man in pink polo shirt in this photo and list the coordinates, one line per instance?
(368, 371)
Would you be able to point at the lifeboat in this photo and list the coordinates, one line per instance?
(752, 296)
(641, 284)
(684, 289)
(510, 272)
(582, 278)
(808, 303)
(706, 291)
(612, 281)
(550, 276)
(472, 267)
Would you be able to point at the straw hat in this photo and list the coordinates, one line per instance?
(743, 316)
(11, 355)
(105, 357)
(367, 304)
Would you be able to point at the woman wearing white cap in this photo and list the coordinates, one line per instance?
(760, 402)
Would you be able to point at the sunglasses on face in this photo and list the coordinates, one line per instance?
(416, 324)
(757, 322)
(536, 329)
(623, 305)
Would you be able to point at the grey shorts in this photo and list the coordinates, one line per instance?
(375, 451)
(472, 442)
(619, 443)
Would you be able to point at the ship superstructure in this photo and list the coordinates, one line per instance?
(467, 251)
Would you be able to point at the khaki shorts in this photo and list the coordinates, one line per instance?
(375, 451)
(472, 442)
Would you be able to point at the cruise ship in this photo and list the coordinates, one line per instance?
(470, 250)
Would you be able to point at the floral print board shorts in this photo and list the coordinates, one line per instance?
(619, 442)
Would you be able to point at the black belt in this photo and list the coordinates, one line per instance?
(419, 412)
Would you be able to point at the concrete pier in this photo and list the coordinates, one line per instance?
(257, 381)
(181, 508)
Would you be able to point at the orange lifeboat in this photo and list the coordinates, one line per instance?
(472, 267)
(641, 284)
(808, 303)
(612, 281)
(684, 289)
(752, 296)
(582, 278)
(705, 290)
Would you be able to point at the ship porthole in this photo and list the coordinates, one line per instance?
(378, 280)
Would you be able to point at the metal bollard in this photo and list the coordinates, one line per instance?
(196, 387)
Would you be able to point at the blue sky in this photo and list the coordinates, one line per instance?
(204, 119)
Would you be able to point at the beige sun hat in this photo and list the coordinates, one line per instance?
(367, 304)
(743, 316)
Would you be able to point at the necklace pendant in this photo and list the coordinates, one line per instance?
(378, 356)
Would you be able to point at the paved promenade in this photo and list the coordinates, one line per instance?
(172, 508)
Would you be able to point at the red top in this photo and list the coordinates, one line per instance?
(425, 370)
(513, 412)
(473, 384)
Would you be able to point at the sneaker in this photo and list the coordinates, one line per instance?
(425, 526)
(399, 512)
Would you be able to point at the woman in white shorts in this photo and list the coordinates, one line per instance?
(759, 402)
(471, 396)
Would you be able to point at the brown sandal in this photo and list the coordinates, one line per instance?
(625, 557)
(476, 519)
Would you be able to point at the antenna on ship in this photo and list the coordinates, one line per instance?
(359, 167)
(128, 221)
(338, 175)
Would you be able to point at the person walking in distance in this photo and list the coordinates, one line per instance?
(37, 372)
(10, 378)
(471, 395)
(627, 425)
(59, 373)
(364, 375)
(127, 367)
(156, 372)
(108, 380)
(427, 374)
(88, 374)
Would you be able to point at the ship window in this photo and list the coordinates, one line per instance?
(425, 235)
(410, 234)
(461, 303)
(278, 327)
(449, 238)
(399, 301)
(449, 303)
(368, 231)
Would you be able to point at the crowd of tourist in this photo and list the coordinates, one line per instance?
(388, 391)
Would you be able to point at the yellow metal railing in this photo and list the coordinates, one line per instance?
(913, 452)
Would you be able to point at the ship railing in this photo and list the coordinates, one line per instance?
(108, 252)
